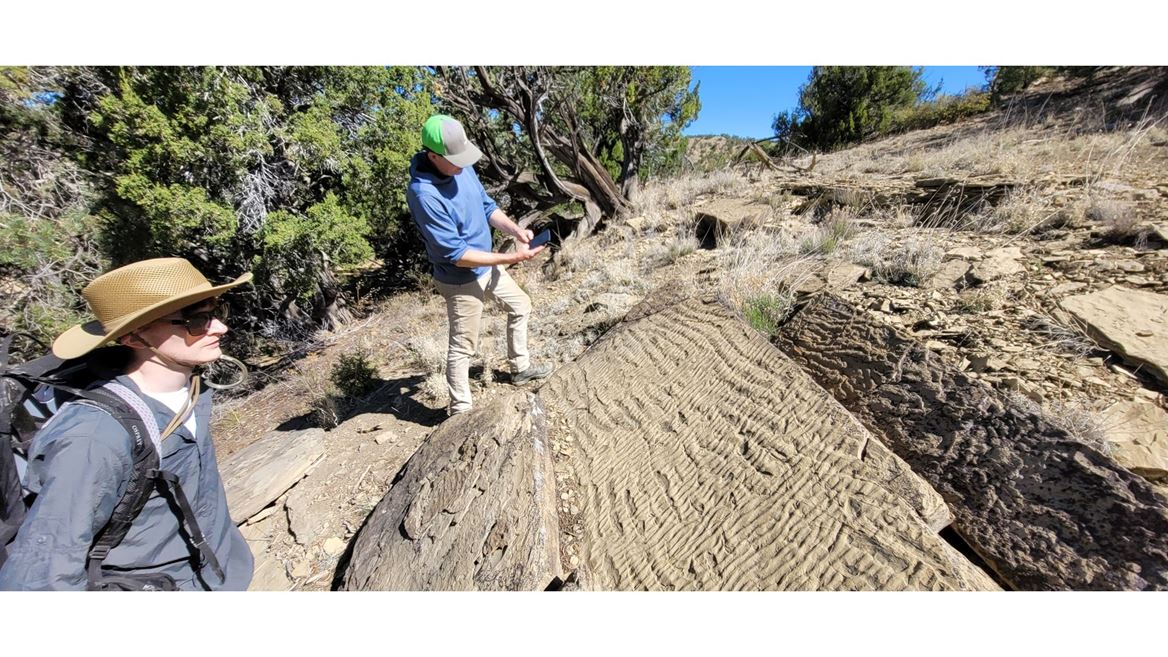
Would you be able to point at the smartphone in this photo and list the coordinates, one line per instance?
(541, 239)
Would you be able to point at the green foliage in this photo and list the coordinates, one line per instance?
(292, 172)
(36, 254)
(13, 79)
(841, 105)
(354, 375)
(1006, 80)
(827, 237)
(27, 243)
(291, 240)
(634, 113)
(46, 250)
(766, 313)
(630, 118)
(174, 218)
(942, 110)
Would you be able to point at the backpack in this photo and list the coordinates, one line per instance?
(30, 394)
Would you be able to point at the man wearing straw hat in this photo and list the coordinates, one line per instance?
(164, 314)
(454, 216)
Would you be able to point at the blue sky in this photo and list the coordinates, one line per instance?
(743, 100)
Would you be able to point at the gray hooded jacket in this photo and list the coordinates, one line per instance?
(79, 465)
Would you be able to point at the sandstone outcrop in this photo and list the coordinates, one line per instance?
(699, 457)
(473, 509)
(1132, 323)
(717, 220)
(1138, 434)
(1044, 511)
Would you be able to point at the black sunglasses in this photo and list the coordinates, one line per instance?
(199, 323)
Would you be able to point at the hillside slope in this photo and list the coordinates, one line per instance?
(972, 240)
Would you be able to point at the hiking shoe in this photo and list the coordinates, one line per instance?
(532, 372)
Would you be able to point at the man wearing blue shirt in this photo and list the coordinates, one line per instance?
(454, 215)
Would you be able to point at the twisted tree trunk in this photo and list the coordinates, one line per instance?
(519, 96)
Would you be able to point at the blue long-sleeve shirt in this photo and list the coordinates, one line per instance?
(451, 213)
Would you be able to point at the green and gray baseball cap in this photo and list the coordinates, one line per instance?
(445, 136)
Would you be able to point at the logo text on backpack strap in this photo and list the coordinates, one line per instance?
(139, 406)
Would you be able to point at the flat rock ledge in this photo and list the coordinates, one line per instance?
(261, 472)
(1044, 511)
(1132, 323)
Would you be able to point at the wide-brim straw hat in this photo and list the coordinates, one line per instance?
(131, 297)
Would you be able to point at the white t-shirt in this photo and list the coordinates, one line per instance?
(175, 401)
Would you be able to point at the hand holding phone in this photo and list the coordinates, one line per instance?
(541, 239)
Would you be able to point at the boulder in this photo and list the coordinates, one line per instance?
(1138, 434)
(965, 253)
(473, 509)
(270, 575)
(952, 274)
(998, 263)
(715, 221)
(846, 275)
(1066, 288)
(707, 460)
(1132, 323)
(1044, 511)
(310, 504)
(259, 473)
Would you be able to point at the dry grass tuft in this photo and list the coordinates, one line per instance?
(433, 388)
(666, 203)
(908, 262)
(577, 255)
(1080, 423)
(1060, 338)
(683, 243)
(1022, 212)
(1119, 221)
(613, 275)
(827, 236)
(979, 300)
(428, 352)
(1020, 152)
(326, 408)
(761, 279)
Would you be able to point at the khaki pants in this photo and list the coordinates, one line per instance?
(464, 308)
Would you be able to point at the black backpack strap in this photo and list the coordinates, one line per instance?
(196, 534)
(138, 488)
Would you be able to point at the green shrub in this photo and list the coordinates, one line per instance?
(353, 375)
(827, 237)
(766, 313)
(945, 109)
